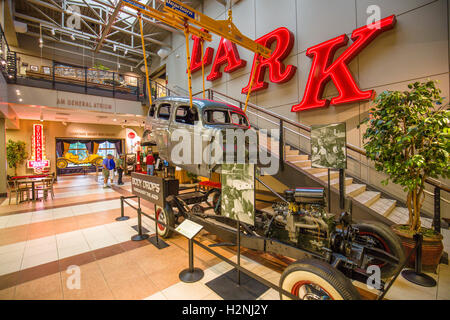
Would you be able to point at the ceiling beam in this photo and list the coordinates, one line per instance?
(68, 32)
(105, 32)
(99, 22)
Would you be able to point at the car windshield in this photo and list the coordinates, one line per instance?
(222, 116)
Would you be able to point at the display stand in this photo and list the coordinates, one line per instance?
(191, 274)
(140, 236)
(342, 189)
(238, 244)
(329, 190)
(154, 240)
(190, 229)
(122, 216)
(417, 276)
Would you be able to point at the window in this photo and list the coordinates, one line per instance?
(106, 148)
(79, 152)
(186, 115)
(164, 111)
(217, 116)
(238, 119)
(151, 111)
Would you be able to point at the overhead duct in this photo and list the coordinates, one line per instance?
(20, 27)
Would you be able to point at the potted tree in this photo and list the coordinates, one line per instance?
(407, 138)
(15, 153)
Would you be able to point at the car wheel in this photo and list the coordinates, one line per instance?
(383, 238)
(62, 163)
(313, 279)
(166, 216)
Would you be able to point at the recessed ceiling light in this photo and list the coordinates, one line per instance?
(20, 100)
(114, 119)
(53, 32)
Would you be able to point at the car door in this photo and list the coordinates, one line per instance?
(185, 124)
(161, 128)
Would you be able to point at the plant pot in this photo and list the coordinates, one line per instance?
(432, 247)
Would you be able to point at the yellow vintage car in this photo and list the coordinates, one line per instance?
(63, 162)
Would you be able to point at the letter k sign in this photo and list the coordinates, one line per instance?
(323, 68)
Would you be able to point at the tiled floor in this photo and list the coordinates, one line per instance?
(41, 242)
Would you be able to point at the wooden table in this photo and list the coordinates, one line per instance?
(33, 182)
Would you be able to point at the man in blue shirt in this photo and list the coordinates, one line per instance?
(108, 166)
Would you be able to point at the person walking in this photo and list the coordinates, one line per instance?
(108, 166)
(150, 161)
(120, 168)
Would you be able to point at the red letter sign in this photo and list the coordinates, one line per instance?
(322, 70)
(226, 53)
(278, 72)
(196, 59)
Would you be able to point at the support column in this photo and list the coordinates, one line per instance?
(3, 164)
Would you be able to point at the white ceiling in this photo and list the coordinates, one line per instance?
(33, 112)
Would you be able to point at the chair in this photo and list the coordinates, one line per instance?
(45, 186)
(11, 185)
(21, 189)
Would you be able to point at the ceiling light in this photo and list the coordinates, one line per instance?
(118, 66)
(131, 68)
(10, 76)
(114, 119)
(40, 40)
(72, 37)
(3, 62)
(114, 48)
(20, 100)
(53, 32)
(126, 51)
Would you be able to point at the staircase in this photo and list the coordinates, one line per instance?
(359, 192)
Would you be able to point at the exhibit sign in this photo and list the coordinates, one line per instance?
(148, 187)
(328, 146)
(189, 228)
(38, 159)
(238, 192)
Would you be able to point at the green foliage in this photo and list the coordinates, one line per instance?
(192, 176)
(15, 153)
(101, 67)
(408, 139)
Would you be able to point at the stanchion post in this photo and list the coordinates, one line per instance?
(156, 229)
(122, 209)
(437, 210)
(238, 243)
(140, 236)
(416, 276)
(191, 274)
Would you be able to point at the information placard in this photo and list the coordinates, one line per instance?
(189, 228)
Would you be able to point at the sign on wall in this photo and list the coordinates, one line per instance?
(325, 66)
(238, 192)
(38, 159)
(328, 146)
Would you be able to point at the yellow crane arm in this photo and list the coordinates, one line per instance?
(169, 19)
(223, 28)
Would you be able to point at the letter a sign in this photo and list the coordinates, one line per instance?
(323, 69)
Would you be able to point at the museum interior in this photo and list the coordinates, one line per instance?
(224, 150)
